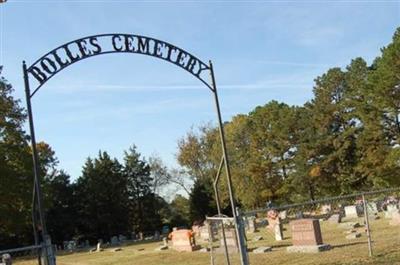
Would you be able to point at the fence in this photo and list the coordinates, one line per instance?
(338, 230)
(30, 253)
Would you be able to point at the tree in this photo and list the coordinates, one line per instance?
(61, 211)
(143, 210)
(102, 199)
(15, 171)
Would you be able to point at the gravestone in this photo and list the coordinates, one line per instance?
(6, 259)
(164, 246)
(395, 219)
(274, 224)
(278, 232)
(121, 238)
(326, 208)
(231, 241)
(141, 237)
(196, 230)
(98, 247)
(351, 211)
(114, 241)
(299, 215)
(335, 218)
(306, 236)
(257, 238)
(71, 245)
(372, 207)
(252, 228)
(157, 235)
(262, 250)
(182, 240)
(165, 230)
(349, 225)
(390, 210)
(283, 215)
(353, 235)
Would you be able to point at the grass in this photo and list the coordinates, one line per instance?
(386, 248)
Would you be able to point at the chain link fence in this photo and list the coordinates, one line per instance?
(338, 230)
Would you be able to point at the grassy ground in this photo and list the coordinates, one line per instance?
(386, 247)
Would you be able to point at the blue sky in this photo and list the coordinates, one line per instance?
(261, 50)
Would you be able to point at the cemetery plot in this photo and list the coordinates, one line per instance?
(343, 251)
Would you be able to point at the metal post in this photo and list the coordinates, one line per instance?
(366, 218)
(242, 251)
(221, 164)
(35, 157)
(215, 184)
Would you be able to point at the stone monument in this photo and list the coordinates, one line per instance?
(351, 211)
(231, 241)
(6, 259)
(274, 224)
(306, 236)
(252, 228)
(183, 240)
(335, 218)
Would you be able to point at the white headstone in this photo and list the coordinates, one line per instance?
(351, 211)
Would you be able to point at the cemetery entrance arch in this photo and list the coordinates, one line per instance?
(43, 69)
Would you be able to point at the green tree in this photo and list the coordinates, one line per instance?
(102, 198)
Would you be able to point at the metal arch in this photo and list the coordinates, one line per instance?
(207, 67)
(42, 78)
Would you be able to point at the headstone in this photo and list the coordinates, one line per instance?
(283, 215)
(231, 241)
(274, 224)
(349, 225)
(98, 247)
(335, 218)
(326, 208)
(157, 235)
(353, 235)
(114, 240)
(390, 210)
(278, 232)
(116, 250)
(204, 233)
(299, 215)
(372, 208)
(351, 211)
(6, 259)
(71, 245)
(182, 240)
(252, 225)
(257, 238)
(121, 238)
(141, 236)
(165, 230)
(204, 250)
(262, 250)
(196, 230)
(306, 236)
(395, 219)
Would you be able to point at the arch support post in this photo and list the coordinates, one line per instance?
(38, 216)
(235, 212)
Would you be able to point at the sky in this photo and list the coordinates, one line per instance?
(261, 51)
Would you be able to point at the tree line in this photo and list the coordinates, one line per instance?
(345, 139)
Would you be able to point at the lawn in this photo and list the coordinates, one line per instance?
(386, 248)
